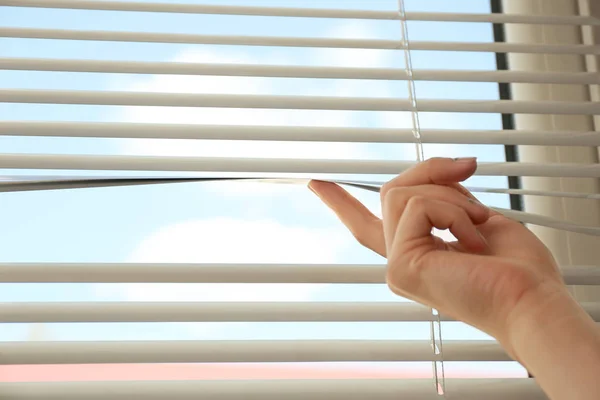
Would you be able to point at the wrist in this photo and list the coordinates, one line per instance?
(531, 316)
(555, 339)
(545, 306)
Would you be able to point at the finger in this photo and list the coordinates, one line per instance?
(413, 246)
(461, 189)
(423, 214)
(438, 171)
(396, 201)
(419, 270)
(435, 171)
(365, 226)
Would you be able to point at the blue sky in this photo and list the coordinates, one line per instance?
(220, 222)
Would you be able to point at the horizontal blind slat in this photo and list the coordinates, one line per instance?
(273, 165)
(249, 351)
(528, 192)
(375, 186)
(224, 273)
(381, 44)
(205, 9)
(295, 133)
(551, 222)
(502, 18)
(280, 102)
(39, 184)
(290, 71)
(385, 389)
(300, 12)
(72, 312)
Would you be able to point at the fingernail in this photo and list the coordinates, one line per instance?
(465, 159)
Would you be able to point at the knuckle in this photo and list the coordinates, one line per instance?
(401, 275)
(394, 275)
(395, 284)
(385, 189)
(396, 195)
(417, 203)
(396, 201)
(396, 192)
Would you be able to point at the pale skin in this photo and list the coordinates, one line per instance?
(497, 276)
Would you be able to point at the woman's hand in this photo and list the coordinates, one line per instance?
(495, 274)
(498, 276)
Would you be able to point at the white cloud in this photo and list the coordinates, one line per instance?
(224, 240)
(357, 58)
(216, 116)
(256, 85)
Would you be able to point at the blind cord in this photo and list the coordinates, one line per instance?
(435, 324)
(557, 153)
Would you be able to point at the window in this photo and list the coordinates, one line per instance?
(222, 222)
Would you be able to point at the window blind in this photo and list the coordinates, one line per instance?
(90, 171)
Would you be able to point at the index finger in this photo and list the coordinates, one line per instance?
(436, 171)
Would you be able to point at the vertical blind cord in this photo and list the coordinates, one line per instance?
(557, 153)
(435, 324)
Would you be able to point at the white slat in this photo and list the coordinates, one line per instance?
(295, 133)
(249, 351)
(191, 273)
(385, 389)
(273, 165)
(292, 102)
(224, 273)
(204, 9)
(573, 195)
(375, 186)
(78, 183)
(299, 12)
(503, 18)
(72, 312)
(288, 71)
(551, 222)
(382, 44)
